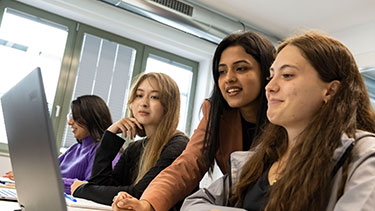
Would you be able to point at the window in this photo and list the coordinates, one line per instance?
(368, 75)
(183, 71)
(183, 76)
(105, 69)
(77, 59)
(27, 42)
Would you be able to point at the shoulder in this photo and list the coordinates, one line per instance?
(176, 144)
(137, 143)
(179, 139)
(237, 160)
(364, 144)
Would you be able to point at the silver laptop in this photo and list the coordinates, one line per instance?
(32, 146)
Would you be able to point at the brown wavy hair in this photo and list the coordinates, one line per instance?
(167, 128)
(307, 179)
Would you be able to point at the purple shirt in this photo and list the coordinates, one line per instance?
(76, 162)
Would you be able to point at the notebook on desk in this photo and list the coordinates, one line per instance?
(32, 146)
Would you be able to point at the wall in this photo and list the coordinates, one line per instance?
(361, 42)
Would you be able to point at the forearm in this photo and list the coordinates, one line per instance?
(98, 193)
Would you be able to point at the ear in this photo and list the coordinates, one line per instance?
(332, 89)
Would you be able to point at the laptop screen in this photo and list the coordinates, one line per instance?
(32, 145)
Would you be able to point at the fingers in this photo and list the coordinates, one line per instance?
(75, 185)
(9, 175)
(120, 202)
(127, 126)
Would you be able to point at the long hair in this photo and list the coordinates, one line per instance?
(91, 112)
(262, 51)
(307, 179)
(167, 128)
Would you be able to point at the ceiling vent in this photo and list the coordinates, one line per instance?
(189, 17)
(177, 6)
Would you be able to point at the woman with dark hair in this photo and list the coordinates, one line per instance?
(232, 117)
(89, 118)
(154, 108)
(318, 152)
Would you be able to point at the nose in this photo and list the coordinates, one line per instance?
(144, 102)
(272, 86)
(70, 121)
(230, 76)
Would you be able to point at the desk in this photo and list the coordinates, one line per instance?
(11, 206)
(8, 205)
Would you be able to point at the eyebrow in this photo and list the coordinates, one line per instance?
(237, 62)
(285, 66)
(153, 91)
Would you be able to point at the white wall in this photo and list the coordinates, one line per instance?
(361, 42)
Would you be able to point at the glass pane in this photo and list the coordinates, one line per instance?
(368, 75)
(105, 69)
(182, 74)
(27, 42)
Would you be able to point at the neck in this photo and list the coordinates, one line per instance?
(149, 130)
(249, 113)
(293, 133)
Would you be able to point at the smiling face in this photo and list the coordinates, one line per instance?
(239, 78)
(295, 92)
(79, 131)
(146, 106)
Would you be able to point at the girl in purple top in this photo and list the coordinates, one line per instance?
(89, 118)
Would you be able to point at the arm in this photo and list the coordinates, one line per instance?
(215, 197)
(104, 179)
(359, 192)
(177, 181)
(105, 194)
(102, 172)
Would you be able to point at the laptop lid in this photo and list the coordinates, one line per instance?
(32, 145)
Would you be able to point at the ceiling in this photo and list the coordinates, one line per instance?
(282, 18)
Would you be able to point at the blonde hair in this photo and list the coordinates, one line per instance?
(167, 128)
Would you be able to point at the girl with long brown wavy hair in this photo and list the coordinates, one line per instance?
(318, 152)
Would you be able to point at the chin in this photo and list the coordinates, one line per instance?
(235, 105)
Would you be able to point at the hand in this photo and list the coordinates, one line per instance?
(9, 175)
(75, 185)
(124, 201)
(125, 125)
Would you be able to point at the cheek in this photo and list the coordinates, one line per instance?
(220, 84)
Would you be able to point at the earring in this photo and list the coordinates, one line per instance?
(325, 101)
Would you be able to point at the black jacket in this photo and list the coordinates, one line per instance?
(105, 183)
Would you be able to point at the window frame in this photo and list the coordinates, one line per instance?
(193, 64)
(69, 65)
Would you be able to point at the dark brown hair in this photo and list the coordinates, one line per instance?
(262, 50)
(306, 181)
(91, 112)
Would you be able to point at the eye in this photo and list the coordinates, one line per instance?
(241, 68)
(155, 97)
(221, 71)
(138, 95)
(287, 75)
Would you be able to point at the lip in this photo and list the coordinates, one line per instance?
(233, 90)
(143, 113)
(274, 101)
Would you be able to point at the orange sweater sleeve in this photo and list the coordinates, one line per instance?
(179, 179)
